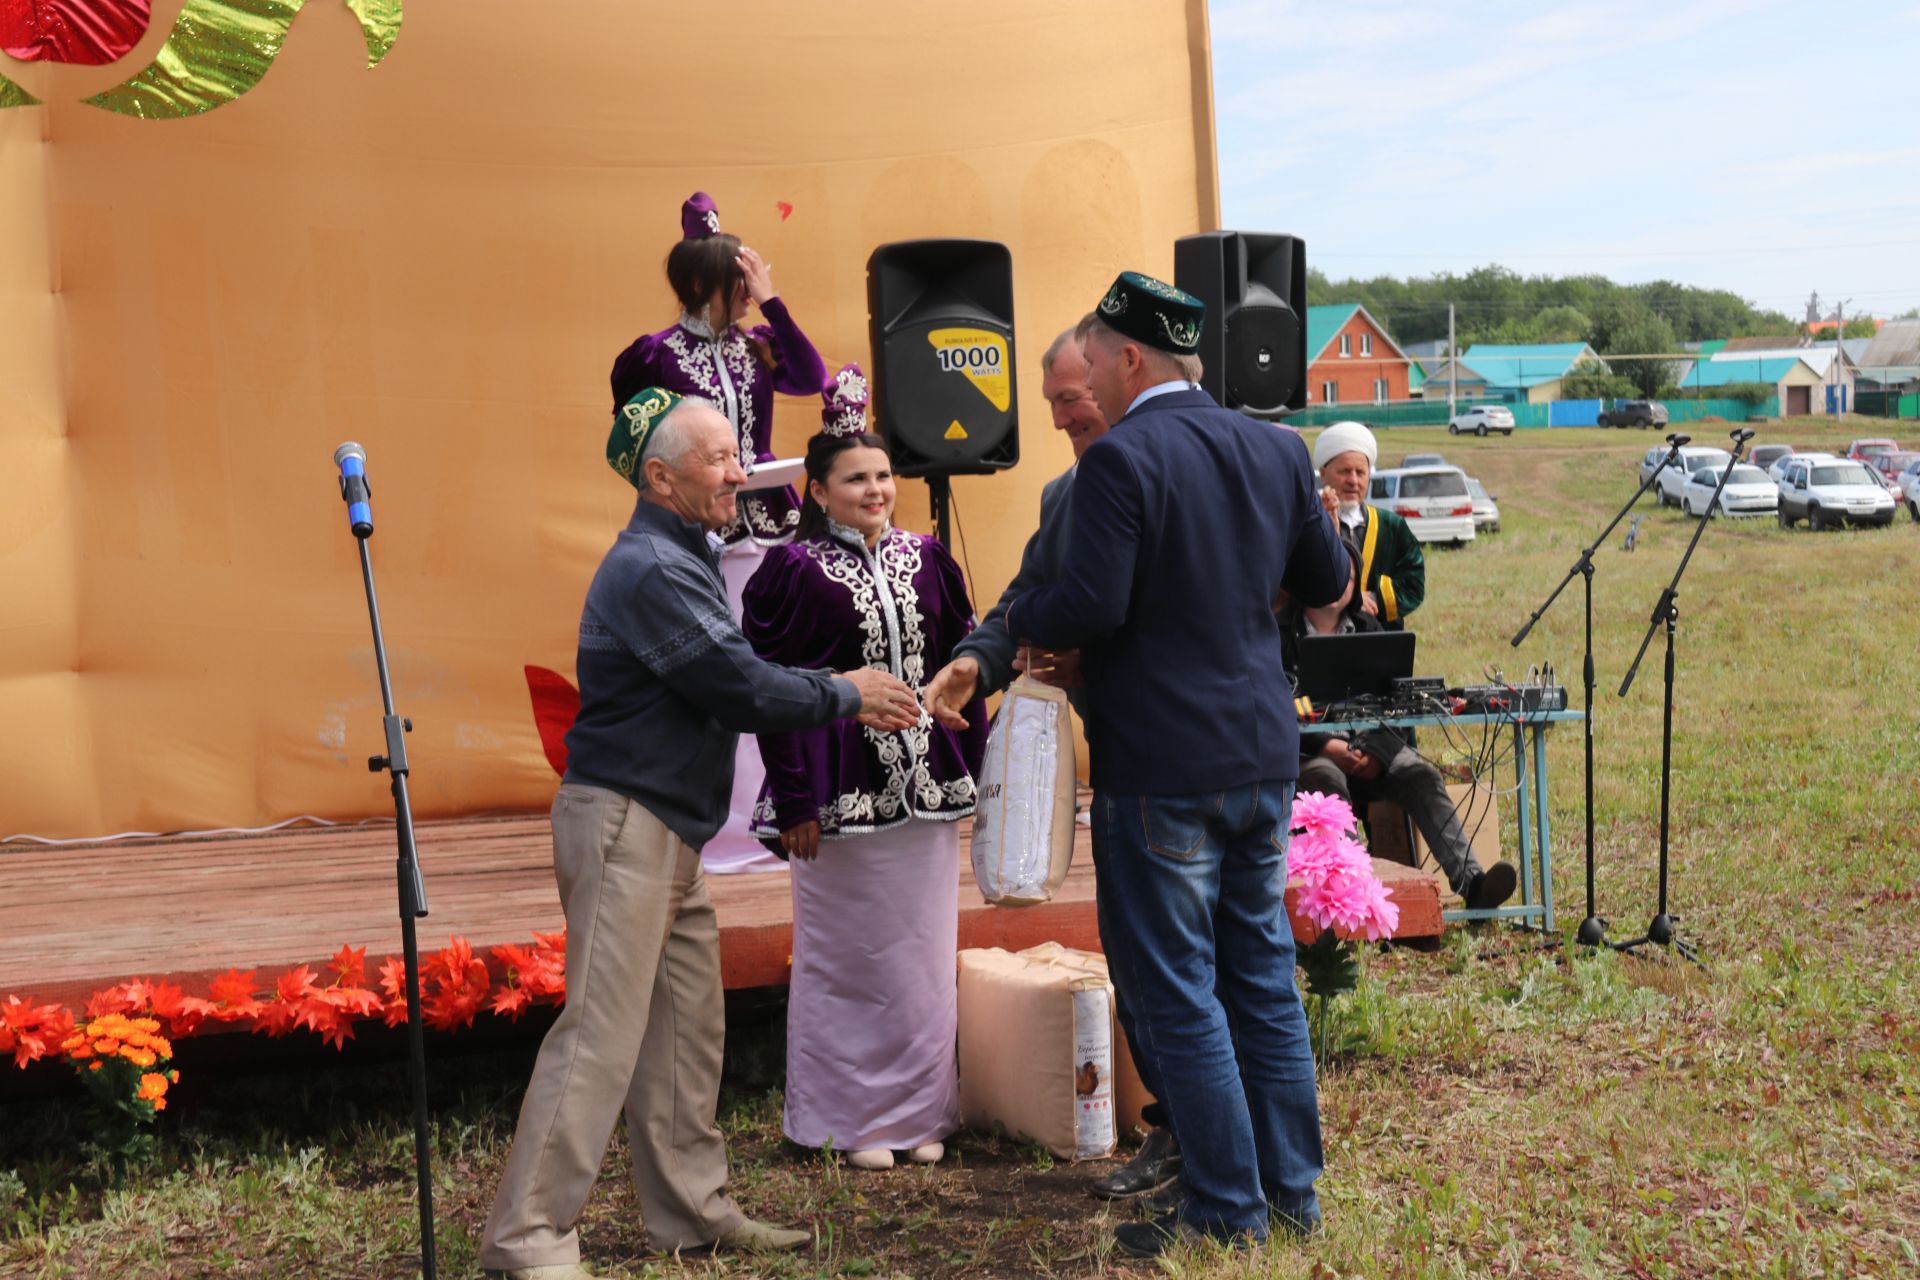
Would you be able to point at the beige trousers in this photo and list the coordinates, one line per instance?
(642, 1030)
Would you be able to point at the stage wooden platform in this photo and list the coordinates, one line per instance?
(85, 917)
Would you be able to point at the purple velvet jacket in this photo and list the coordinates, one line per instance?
(690, 361)
(829, 603)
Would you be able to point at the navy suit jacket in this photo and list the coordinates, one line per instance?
(1189, 520)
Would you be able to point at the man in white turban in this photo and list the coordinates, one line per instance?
(1393, 573)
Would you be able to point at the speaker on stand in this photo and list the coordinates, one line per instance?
(940, 323)
(1254, 343)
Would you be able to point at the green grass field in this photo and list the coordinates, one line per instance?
(1495, 1108)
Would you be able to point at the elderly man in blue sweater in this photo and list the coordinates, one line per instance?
(667, 683)
(1189, 522)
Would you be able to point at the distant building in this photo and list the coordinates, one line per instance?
(1352, 360)
(1529, 373)
(1836, 373)
(1892, 361)
(1798, 386)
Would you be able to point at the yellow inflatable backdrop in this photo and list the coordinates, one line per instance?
(439, 258)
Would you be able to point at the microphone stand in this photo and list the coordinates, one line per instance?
(413, 889)
(1666, 614)
(1593, 929)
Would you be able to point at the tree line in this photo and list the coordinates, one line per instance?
(1494, 304)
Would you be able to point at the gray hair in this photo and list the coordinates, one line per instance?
(1072, 334)
(1169, 365)
(670, 439)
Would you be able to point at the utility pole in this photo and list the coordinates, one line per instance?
(1840, 353)
(1453, 366)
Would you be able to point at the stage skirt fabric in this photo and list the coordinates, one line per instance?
(734, 849)
(872, 1007)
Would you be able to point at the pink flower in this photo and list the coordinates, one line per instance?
(1316, 812)
(1355, 904)
(1315, 855)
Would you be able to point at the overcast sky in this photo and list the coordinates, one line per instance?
(1767, 148)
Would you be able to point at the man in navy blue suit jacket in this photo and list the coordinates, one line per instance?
(1189, 522)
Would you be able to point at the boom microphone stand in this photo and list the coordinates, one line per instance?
(352, 461)
(1666, 614)
(1593, 929)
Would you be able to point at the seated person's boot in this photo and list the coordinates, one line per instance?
(1491, 887)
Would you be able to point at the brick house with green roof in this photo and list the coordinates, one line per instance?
(1351, 359)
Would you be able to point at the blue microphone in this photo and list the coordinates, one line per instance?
(352, 461)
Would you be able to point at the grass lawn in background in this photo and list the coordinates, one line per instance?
(1493, 1109)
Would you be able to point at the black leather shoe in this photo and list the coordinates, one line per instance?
(1156, 1165)
(1492, 887)
(1151, 1239)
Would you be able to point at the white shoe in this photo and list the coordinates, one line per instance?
(930, 1153)
(875, 1158)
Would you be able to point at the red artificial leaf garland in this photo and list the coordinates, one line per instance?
(31, 1031)
(455, 987)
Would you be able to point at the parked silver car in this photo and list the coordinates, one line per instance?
(1486, 508)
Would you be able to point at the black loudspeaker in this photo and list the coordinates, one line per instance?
(1254, 343)
(940, 321)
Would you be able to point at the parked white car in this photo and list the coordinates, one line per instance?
(1831, 491)
(1748, 492)
(1486, 508)
(1668, 484)
(1910, 490)
(1778, 470)
(1434, 501)
(1481, 420)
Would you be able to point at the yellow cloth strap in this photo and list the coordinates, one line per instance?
(1389, 604)
(1366, 545)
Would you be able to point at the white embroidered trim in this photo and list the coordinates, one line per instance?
(893, 638)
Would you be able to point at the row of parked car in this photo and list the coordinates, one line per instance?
(1864, 486)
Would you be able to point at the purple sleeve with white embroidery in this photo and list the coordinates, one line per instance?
(814, 604)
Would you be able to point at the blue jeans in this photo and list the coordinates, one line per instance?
(1194, 890)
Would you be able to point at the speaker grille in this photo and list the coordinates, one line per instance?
(1262, 369)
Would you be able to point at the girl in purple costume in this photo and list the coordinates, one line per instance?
(868, 818)
(708, 353)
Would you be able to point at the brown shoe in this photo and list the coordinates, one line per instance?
(557, 1271)
(752, 1236)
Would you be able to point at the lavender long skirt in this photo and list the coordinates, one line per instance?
(873, 1008)
(733, 848)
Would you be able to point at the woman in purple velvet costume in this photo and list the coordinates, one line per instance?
(867, 817)
(709, 353)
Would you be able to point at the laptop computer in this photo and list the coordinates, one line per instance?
(1336, 668)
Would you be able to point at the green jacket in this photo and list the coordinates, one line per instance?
(1391, 565)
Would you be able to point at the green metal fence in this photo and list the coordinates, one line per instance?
(1887, 404)
(1433, 413)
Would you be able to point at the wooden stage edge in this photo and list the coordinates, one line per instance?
(188, 909)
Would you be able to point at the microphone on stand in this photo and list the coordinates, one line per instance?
(352, 461)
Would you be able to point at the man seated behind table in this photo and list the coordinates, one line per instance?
(1377, 764)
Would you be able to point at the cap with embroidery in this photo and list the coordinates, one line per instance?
(699, 218)
(1154, 313)
(843, 405)
(632, 426)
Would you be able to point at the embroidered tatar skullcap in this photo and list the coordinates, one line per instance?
(1154, 313)
(699, 218)
(843, 405)
(1345, 437)
(632, 426)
